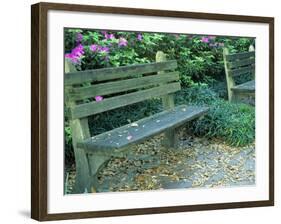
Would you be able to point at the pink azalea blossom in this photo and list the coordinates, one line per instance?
(98, 98)
(122, 42)
(79, 37)
(76, 54)
(97, 48)
(139, 37)
(103, 49)
(212, 37)
(78, 51)
(205, 39)
(94, 47)
(109, 36)
(73, 59)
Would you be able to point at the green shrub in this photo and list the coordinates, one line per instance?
(69, 153)
(233, 123)
(198, 95)
(199, 57)
(112, 119)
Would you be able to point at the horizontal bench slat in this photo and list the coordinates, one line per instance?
(146, 127)
(84, 110)
(121, 86)
(246, 87)
(231, 57)
(237, 64)
(117, 72)
(240, 71)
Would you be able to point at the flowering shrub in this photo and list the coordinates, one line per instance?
(76, 54)
(199, 57)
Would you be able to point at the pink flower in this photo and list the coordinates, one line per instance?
(122, 42)
(97, 48)
(205, 39)
(76, 54)
(79, 37)
(109, 36)
(78, 51)
(139, 37)
(94, 47)
(104, 50)
(98, 98)
(73, 59)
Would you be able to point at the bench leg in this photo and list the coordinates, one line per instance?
(170, 139)
(96, 163)
(82, 179)
(87, 168)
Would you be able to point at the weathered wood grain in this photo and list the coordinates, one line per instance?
(243, 55)
(237, 64)
(229, 79)
(247, 87)
(121, 86)
(240, 71)
(168, 103)
(80, 131)
(117, 72)
(142, 129)
(87, 109)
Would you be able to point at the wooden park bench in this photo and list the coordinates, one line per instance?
(239, 64)
(120, 86)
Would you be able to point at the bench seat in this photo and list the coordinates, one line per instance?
(142, 129)
(247, 87)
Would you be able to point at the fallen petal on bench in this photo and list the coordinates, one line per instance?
(170, 119)
(129, 137)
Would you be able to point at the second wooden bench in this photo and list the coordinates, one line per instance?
(238, 64)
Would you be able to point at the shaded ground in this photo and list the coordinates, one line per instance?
(196, 163)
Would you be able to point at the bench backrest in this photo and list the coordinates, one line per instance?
(240, 63)
(118, 86)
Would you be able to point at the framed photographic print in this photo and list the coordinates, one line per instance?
(139, 111)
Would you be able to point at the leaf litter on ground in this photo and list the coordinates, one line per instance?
(196, 162)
